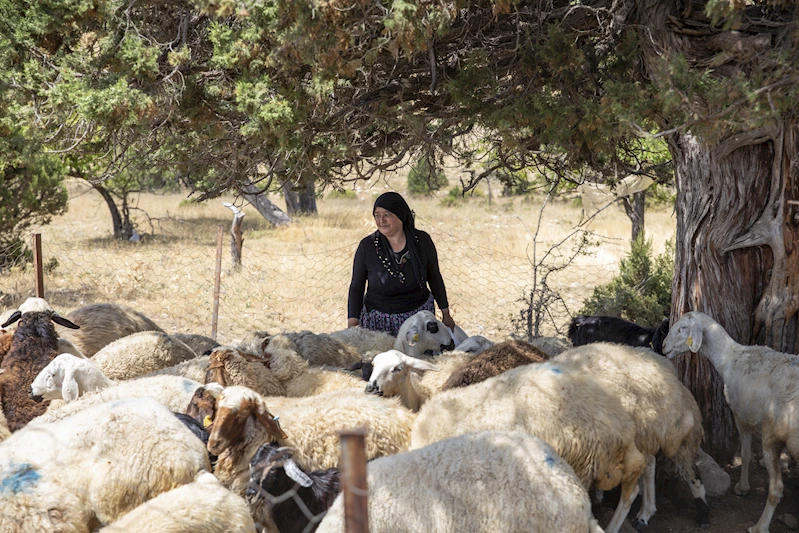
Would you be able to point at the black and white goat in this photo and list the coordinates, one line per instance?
(33, 345)
(297, 501)
(588, 329)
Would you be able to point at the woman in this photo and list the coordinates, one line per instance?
(399, 262)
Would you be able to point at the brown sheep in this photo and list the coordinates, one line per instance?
(102, 324)
(5, 343)
(494, 361)
(33, 346)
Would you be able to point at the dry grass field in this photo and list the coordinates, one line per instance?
(296, 277)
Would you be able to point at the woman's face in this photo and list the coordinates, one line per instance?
(387, 222)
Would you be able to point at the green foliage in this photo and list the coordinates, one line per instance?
(347, 194)
(32, 191)
(424, 178)
(641, 292)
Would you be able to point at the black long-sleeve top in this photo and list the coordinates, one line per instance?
(387, 293)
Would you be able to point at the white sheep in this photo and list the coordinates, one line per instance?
(203, 506)
(317, 348)
(281, 372)
(551, 346)
(364, 340)
(584, 424)
(423, 332)
(173, 392)
(195, 369)
(760, 386)
(475, 344)
(141, 353)
(395, 374)
(667, 419)
(244, 420)
(101, 324)
(483, 482)
(67, 377)
(94, 466)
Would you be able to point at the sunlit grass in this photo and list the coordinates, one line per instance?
(297, 276)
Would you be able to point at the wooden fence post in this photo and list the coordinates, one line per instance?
(217, 282)
(353, 480)
(38, 264)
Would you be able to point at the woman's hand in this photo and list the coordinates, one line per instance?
(352, 322)
(446, 318)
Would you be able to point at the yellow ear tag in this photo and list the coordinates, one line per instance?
(416, 338)
(207, 421)
(689, 341)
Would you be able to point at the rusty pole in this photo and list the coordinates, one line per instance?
(217, 281)
(353, 480)
(38, 264)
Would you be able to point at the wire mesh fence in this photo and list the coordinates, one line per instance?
(174, 284)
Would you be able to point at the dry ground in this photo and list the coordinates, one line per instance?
(729, 513)
(296, 277)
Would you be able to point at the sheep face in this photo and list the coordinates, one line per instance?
(475, 344)
(685, 335)
(234, 407)
(391, 372)
(425, 325)
(202, 406)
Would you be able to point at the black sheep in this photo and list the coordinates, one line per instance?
(198, 430)
(33, 345)
(273, 473)
(588, 329)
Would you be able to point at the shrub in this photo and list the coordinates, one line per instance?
(641, 292)
(424, 178)
(342, 194)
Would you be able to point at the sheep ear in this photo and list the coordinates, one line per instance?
(694, 340)
(412, 336)
(16, 315)
(69, 387)
(296, 474)
(61, 321)
(269, 421)
(419, 364)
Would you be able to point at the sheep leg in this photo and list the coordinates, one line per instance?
(629, 490)
(772, 456)
(742, 487)
(700, 499)
(648, 507)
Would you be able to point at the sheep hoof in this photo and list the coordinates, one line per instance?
(639, 524)
(740, 491)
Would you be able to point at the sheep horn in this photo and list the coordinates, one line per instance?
(294, 472)
(16, 315)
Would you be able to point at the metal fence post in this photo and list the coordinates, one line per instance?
(217, 282)
(353, 480)
(38, 264)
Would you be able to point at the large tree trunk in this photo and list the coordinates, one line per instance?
(737, 257)
(634, 207)
(300, 197)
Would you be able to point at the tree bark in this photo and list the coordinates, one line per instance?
(236, 238)
(736, 254)
(300, 197)
(635, 212)
(266, 208)
(123, 227)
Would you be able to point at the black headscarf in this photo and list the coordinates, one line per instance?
(395, 203)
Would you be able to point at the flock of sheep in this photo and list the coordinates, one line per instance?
(110, 424)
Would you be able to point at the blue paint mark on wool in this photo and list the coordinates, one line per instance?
(556, 370)
(19, 477)
(188, 386)
(550, 461)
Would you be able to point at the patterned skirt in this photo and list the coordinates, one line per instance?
(388, 322)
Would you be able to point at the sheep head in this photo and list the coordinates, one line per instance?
(38, 305)
(391, 372)
(686, 334)
(425, 330)
(265, 466)
(234, 406)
